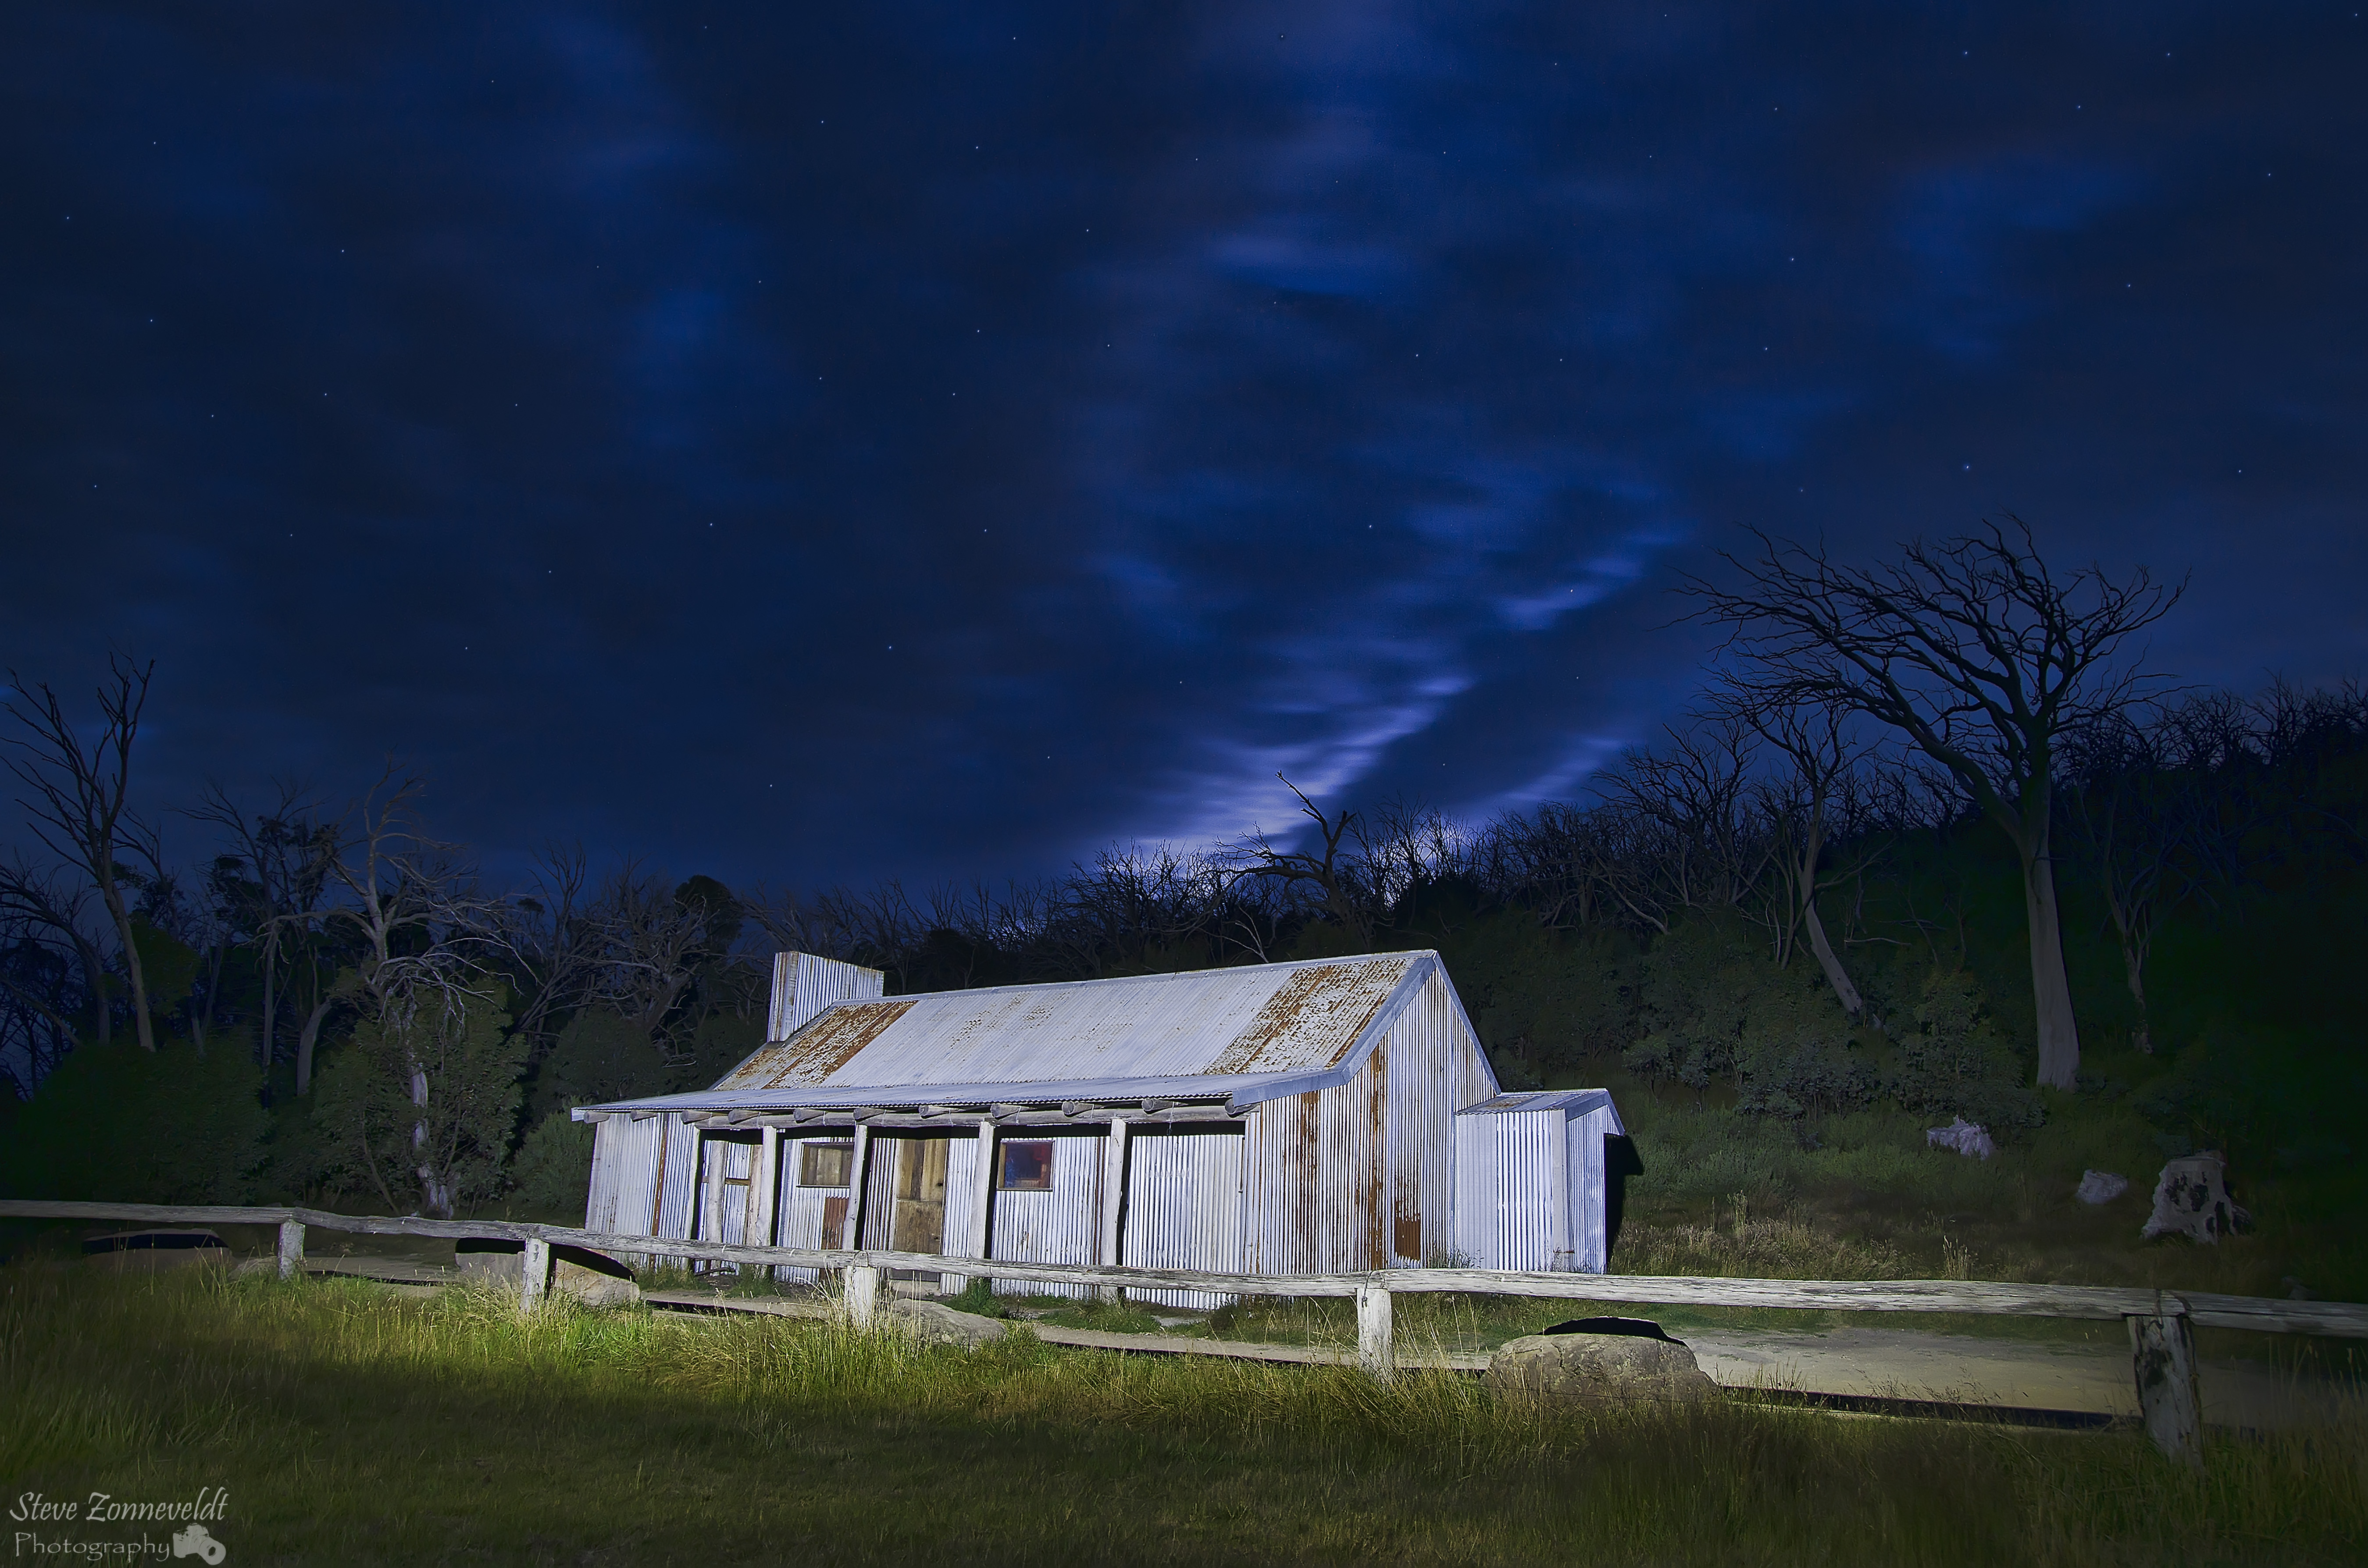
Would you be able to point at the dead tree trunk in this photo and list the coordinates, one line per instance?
(1976, 655)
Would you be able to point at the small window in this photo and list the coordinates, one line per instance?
(825, 1165)
(1028, 1168)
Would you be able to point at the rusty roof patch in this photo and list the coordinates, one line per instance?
(1314, 1017)
(820, 1048)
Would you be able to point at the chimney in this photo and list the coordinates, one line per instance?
(804, 985)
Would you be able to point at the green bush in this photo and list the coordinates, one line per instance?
(114, 1123)
(1953, 1063)
(1715, 1007)
(598, 1057)
(552, 1169)
(423, 1108)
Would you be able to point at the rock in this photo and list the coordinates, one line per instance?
(2190, 1198)
(2101, 1187)
(255, 1266)
(592, 1286)
(490, 1263)
(934, 1323)
(1965, 1137)
(1600, 1370)
(591, 1277)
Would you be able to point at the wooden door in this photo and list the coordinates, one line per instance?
(920, 1221)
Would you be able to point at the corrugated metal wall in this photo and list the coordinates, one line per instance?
(1061, 1224)
(677, 1184)
(1590, 1195)
(801, 1209)
(1512, 1204)
(804, 985)
(1184, 1206)
(961, 1182)
(1338, 1180)
(727, 1194)
(879, 1194)
(1434, 1067)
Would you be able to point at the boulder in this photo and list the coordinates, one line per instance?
(591, 1277)
(1966, 1138)
(593, 1287)
(2101, 1187)
(489, 1262)
(934, 1323)
(1600, 1369)
(2190, 1198)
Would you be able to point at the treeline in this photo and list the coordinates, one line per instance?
(1795, 902)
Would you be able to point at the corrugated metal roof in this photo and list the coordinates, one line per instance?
(1247, 1034)
(1570, 1102)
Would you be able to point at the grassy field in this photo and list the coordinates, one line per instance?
(350, 1424)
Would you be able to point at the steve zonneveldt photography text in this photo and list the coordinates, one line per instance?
(76, 1528)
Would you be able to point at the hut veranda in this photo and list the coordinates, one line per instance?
(1285, 1118)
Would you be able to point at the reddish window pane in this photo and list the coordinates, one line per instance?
(1028, 1168)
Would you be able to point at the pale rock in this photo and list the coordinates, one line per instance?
(934, 1323)
(1966, 1138)
(1600, 1370)
(2190, 1198)
(490, 1268)
(591, 1287)
(2101, 1187)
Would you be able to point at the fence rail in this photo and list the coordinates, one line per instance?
(2160, 1322)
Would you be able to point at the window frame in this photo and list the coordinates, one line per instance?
(807, 1152)
(1003, 1154)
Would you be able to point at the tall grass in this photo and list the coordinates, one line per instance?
(351, 1426)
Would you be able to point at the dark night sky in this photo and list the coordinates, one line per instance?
(830, 442)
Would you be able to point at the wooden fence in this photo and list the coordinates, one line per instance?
(2160, 1323)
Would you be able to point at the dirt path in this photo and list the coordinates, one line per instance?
(1963, 1369)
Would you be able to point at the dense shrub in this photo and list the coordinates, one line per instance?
(114, 1123)
(552, 1172)
(1952, 1061)
(423, 1109)
(1714, 1007)
(598, 1056)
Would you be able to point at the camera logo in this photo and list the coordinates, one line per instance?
(195, 1542)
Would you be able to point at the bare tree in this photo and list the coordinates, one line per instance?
(554, 939)
(656, 942)
(1818, 791)
(1980, 658)
(46, 959)
(1685, 831)
(2138, 816)
(1346, 897)
(289, 854)
(420, 925)
(80, 808)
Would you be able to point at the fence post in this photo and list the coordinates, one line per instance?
(2162, 1354)
(1114, 1215)
(292, 1248)
(862, 1294)
(1373, 1349)
(534, 1274)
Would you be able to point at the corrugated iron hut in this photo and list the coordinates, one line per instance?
(1286, 1118)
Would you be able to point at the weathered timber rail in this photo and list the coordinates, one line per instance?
(2160, 1322)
